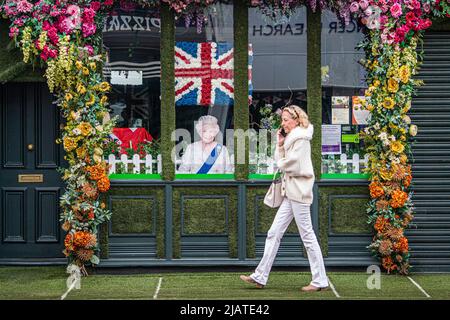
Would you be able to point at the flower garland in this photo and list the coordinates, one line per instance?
(64, 35)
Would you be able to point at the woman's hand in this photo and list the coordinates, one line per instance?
(280, 138)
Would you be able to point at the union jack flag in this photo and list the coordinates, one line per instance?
(204, 73)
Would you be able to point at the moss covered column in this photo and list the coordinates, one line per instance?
(167, 90)
(314, 85)
(241, 112)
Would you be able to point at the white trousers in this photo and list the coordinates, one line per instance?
(301, 212)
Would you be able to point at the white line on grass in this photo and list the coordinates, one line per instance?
(155, 296)
(334, 289)
(420, 288)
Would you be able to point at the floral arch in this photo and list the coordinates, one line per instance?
(65, 37)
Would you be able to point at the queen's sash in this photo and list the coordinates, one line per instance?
(211, 160)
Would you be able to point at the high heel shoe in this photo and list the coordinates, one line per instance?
(251, 281)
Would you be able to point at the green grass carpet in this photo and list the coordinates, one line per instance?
(50, 283)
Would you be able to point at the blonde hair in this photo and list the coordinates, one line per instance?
(297, 114)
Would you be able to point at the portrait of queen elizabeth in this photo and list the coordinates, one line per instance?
(206, 155)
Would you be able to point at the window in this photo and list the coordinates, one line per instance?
(278, 79)
(343, 87)
(204, 74)
(131, 38)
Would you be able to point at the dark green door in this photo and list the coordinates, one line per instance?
(29, 183)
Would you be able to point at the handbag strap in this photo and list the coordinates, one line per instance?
(275, 174)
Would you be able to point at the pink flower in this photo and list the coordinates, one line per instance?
(48, 53)
(416, 4)
(354, 7)
(13, 32)
(65, 25)
(88, 15)
(396, 10)
(73, 10)
(88, 29)
(363, 4)
(24, 6)
(89, 49)
(108, 2)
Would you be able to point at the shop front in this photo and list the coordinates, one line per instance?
(167, 80)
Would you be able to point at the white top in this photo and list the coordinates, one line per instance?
(194, 157)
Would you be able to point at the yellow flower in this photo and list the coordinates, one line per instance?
(104, 86)
(68, 96)
(79, 65)
(69, 144)
(91, 100)
(385, 174)
(85, 128)
(103, 100)
(376, 83)
(370, 107)
(392, 85)
(397, 147)
(81, 152)
(97, 158)
(98, 151)
(81, 89)
(85, 71)
(404, 73)
(413, 130)
(403, 159)
(388, 103)
(93, 66)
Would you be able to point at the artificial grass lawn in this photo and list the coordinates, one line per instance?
(50, 283)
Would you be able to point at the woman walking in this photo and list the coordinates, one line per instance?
(293, 156)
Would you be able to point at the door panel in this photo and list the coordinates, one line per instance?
(29, 211)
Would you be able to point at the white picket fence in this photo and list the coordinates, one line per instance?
(134, 165)
(264, 164)
(355, 161)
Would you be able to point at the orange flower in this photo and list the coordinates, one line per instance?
(401, 245)
(96, 172)
(68, 242)
(399, 198)
(388, 264)
(91, 215)
(84, 239)
(381, 224)
(376, 190)
(103, 184)
(407, 180)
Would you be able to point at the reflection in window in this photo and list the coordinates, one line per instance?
(204, 95)
(343, 87)
(279, 79)
(131, 38)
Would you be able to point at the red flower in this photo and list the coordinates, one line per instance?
(95, 5)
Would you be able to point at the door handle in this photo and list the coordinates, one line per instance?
(30, 147)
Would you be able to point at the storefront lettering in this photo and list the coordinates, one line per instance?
(279, 29)
(298, 29)
(340, 27)
(131, 23)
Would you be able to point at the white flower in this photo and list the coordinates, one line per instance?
(76, 131)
